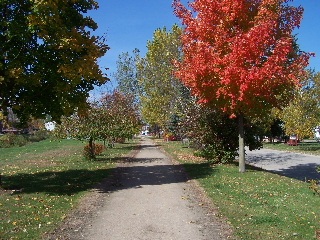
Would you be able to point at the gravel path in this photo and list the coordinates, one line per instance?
(149, 197)
(294, 165)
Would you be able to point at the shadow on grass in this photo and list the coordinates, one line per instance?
(74, 181)
(249, 167)
(63, 183)
(199, 170)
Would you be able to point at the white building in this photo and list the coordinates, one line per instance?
(50, 126)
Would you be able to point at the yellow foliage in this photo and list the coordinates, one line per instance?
(160, 97)
(301, 116)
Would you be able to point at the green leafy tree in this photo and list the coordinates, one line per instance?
(212, 134)
(302, 116)
(123, 115)
(161, 93)
(83, 126)
(48, 58)
(115, 116)
(275, 129)
(127, 75)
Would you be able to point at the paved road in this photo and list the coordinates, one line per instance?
(294, 165)
(153, 199)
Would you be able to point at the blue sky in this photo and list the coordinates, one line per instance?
(129, 24)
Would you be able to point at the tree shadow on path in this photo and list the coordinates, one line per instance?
(122, 177)
(131, 173)
(148, 172)
(55, 182)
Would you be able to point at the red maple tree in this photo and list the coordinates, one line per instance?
(240, 55)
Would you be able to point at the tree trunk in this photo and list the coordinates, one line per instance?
(91, 147)
(242, 160)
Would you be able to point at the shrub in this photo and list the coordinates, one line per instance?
(11, 140)
(97, 150)
(120, 140)
(19, 140)
(215, 154)
(215, 135)
(38, 136)
(4, 143)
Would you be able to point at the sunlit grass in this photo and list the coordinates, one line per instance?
(308, 148)
(44, 180)
(258, 204)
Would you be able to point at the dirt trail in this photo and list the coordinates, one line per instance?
(149, 197)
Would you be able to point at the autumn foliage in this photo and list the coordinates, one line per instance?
(114, 117)
(90, 151)
(48, 57)
(240, 55)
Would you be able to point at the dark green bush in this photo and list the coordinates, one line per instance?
(4, 143)
(216, 154)
(215, 135)
(38, 136)
(19, 140)
(12, 140)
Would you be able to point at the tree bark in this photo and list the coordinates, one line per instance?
(242, 160)
(91, 147)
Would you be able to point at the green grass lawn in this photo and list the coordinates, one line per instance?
(52, 176)
(258, 204)
(308, 148)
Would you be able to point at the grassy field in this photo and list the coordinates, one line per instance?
(43, 181)
(258, 204)
(309, 148)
